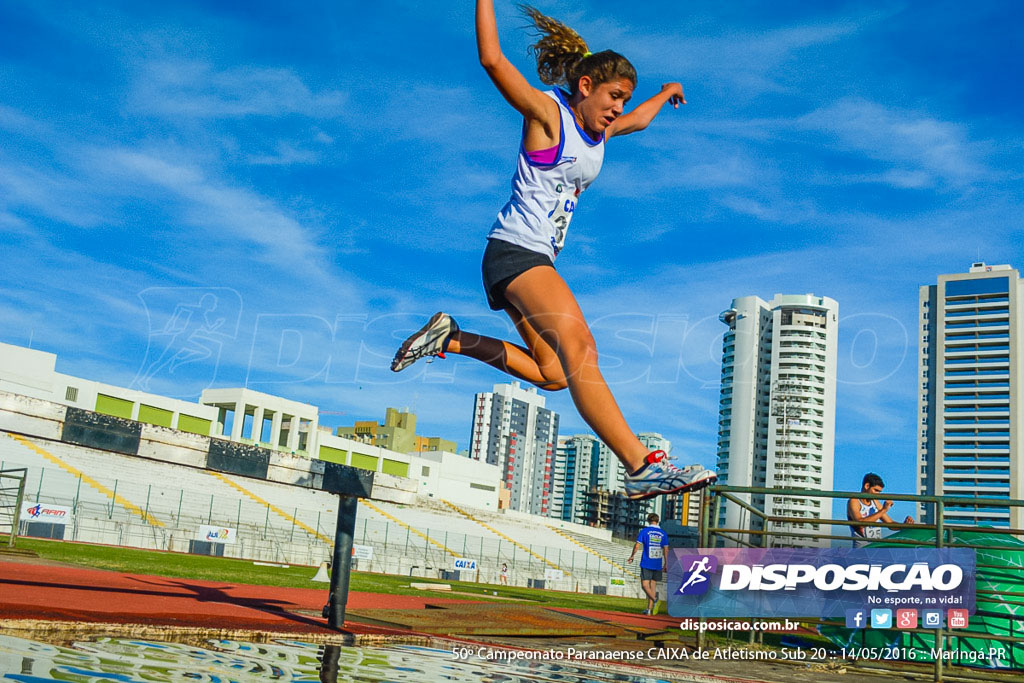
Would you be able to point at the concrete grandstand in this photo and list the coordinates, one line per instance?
(154, 502)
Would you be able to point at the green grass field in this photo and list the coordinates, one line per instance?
(184, 566)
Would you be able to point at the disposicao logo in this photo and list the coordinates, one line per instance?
(724, 582)
(218, 534)
(696, 576)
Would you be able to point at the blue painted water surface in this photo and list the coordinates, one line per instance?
(124, 660)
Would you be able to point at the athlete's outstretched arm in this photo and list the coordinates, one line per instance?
(527, 100)
(641, 117)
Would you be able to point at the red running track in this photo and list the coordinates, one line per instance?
(32, 591)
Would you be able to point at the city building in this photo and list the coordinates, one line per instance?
(613, 510)
(396, 433)
(584, 463)
(577, 461)
(776, 423)
(682, 507)
(513, 429)
(969, 406)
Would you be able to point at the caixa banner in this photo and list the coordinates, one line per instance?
(826, 582)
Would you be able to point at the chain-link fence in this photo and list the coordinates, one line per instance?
(163, 517)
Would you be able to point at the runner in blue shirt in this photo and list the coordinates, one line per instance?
(653, 540)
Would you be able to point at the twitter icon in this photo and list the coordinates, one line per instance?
(881, 618)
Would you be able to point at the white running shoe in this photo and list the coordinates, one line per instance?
(430, 340)
(659, 478)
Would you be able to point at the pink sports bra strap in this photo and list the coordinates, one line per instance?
(545, 157)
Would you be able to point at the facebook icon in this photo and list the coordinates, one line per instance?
(856, 618)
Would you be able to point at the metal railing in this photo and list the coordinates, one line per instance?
(775, 528)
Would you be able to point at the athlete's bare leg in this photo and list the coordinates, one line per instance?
(536, 363)
(548, 307)
(650, 587)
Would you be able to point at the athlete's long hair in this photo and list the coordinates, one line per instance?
(563, 57)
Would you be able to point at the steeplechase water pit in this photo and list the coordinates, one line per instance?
(129, 660)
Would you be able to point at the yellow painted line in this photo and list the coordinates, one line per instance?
(273, 508)
(494, 531)
(119, 500)
(590, 550)
(402, 524)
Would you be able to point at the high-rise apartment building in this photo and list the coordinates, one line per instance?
(777, 408)
(513, 429)
(582, 463)
(969, 409)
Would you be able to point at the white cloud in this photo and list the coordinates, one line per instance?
(178, 87)
(217, 206)
(285, 154)
(922, 149)
(50, 193)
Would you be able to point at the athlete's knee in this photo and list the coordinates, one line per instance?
(576, 346)
(554, 384)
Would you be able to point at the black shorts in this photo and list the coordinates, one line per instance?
(650, 574)
(504, 262)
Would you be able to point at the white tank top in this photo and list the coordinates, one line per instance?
(866, 510)
(544, 197)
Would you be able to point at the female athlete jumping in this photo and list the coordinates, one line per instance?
(562, 147)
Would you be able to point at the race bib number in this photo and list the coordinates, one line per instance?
(561, 215)
(655, 552)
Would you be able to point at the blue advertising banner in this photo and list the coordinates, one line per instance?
(818, 582)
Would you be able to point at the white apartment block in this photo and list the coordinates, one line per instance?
(777, 410)
(969, 405)
(513, 429)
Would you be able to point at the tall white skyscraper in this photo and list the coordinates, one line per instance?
(513, 429)
(777, 409)
(969, 408)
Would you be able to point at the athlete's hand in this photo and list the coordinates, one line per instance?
(629, 560)
(888, 504)
(675, 91)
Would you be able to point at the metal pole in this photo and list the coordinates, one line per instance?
(78, 491)
(39, 491)
(703, 527)
(149, 490)
(238, 519)
(940, 539)
(266, 522)
(17, 509)
(342, 561)
(209, 515)
(113, 499)
(294, 515)
(181, 496)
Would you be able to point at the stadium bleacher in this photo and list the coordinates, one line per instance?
(130, 500)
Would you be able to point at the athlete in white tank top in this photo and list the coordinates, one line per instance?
(558, 350)
(544, 195)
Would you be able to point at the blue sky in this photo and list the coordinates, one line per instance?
(325, 175)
